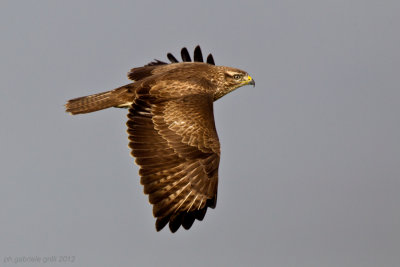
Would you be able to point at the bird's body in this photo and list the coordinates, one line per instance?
(172, 132)
(165, 81)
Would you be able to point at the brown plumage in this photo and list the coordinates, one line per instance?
(172, 132)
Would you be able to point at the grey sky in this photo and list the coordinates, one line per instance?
(310, 167)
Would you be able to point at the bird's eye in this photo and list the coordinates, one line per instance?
(236, 76)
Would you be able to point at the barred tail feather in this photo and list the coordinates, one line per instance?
(91, 103)
(121, 97)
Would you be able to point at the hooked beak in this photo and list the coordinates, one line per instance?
(250, 81)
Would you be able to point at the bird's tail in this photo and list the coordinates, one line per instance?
(120, 97)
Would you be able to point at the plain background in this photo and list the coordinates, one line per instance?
(310, 167)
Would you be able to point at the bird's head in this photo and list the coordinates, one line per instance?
(231, 79)
(237, 78)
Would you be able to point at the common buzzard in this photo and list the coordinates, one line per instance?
(172, 132)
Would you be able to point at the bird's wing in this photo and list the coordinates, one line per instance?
(176, 145)
(140, 73)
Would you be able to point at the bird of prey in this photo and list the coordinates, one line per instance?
(172, 131)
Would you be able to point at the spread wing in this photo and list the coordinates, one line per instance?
(176, 145)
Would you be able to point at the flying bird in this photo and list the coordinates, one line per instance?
(172, 132)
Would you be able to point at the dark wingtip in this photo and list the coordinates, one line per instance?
(185, 55)
(210, 59)
(199, 214)
(172, 58)
(184, 219)
(155, 62)
(161, 223)
(188, 221)
(198, 56)
(175, 222)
